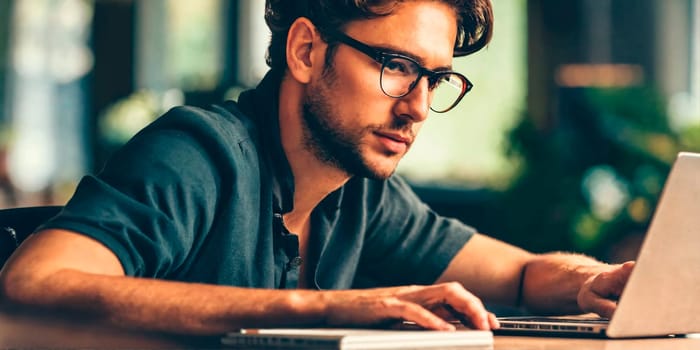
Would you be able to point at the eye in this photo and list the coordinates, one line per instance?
(434, 81)
(399, 66)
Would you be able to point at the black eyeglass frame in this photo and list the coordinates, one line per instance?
(382, 57)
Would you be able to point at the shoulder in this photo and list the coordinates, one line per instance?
(381, 196)
(223, 121)
(189, 142)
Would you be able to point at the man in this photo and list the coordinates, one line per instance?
(281, 210)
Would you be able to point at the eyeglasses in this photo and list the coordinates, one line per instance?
(400, 74)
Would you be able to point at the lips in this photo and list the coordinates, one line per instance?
(394, 143)
(397, 137)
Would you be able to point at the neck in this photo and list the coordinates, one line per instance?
(313, 179)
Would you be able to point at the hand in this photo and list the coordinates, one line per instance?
(419, 304)
(600, 292)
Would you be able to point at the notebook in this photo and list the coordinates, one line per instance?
(348, 339)
(661, 296)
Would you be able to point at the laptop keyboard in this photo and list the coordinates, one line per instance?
(559, 319)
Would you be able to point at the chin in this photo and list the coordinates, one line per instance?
(380, 169)
(380, 175)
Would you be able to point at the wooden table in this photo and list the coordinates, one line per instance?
(551, 343)
(24, 329)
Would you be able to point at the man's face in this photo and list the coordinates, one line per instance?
(349, 122)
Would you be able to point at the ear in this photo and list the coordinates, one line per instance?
(302, 40)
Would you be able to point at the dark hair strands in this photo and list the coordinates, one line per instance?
(474, 21)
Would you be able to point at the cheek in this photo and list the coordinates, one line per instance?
(355, 96)
(371, 91)
(369, 105)
(359, 92)
(359, 87)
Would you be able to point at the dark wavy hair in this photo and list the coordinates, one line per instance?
(474, 21)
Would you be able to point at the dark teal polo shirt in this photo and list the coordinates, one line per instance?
(198, 196)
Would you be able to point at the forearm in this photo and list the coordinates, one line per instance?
(63, 270)
(551, 282)
(168, 306)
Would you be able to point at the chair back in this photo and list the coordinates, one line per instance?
(18, 223)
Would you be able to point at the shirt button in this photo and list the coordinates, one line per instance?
(295, 262)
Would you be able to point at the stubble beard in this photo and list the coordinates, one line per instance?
(331, 142)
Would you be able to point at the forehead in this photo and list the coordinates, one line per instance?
(425, 29)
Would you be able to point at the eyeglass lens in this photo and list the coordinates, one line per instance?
(399, 75)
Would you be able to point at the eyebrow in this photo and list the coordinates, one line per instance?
(393, 50)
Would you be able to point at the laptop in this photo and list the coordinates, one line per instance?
(356, 338)
(662, 296)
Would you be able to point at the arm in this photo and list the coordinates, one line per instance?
(561, 283)
(544, 283)
(84, 276)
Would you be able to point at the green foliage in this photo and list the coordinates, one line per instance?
(594, 176)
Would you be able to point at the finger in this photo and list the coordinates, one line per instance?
(450, 315)
(604, 284)
(623, 275)
(612, 283)
(466, 306)
(471, 311)
(408, 311)
(603, 307)
(465, 321)
(493, 321)
(626, 269)
(445, 314)
(628, 264)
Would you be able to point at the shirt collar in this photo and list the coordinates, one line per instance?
(262, 104)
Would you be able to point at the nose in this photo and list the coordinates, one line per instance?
(416, 104)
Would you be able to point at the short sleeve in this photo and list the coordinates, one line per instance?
(407, 242)
(154, 201)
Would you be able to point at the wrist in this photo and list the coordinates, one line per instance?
(552, 282)
(309, 307)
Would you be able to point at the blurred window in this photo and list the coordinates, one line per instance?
(180, 44)
(46, 132)
(678, 60)
(179, 49)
